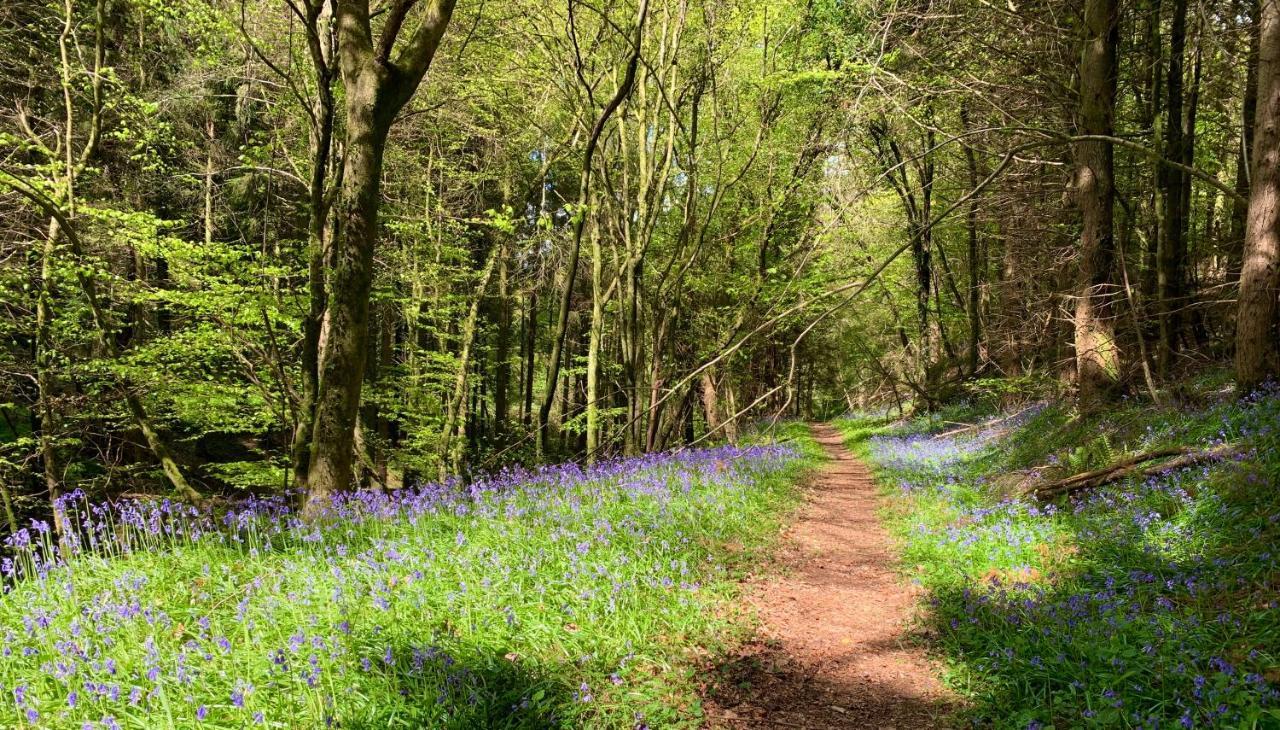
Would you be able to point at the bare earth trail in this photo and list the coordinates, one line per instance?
(832, 651)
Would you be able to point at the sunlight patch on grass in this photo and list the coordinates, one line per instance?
(1151, 602)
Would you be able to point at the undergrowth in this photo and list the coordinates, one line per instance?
(559, 598)
(1151, 602)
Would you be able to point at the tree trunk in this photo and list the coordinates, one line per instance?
(731, 422)
(1152, 119)
(451, 449)
(579, 221)
(710, 400)
(529, 346)
(1172, 250)
(319, 236)
(45, 376)
(594, 336)
(342, 360)
(1256, 347)
(1097, 357)
(977, 266)
(1244, 150)
(376, 87)
(502, 353)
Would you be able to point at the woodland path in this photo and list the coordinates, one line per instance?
(832, 650)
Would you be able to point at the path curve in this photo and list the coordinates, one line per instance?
(832, 650)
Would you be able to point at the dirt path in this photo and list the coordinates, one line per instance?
(831, 652)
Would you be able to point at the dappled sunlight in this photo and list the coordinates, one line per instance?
(1148, 602)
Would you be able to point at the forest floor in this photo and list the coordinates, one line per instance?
(832, 649)
(1151, 601)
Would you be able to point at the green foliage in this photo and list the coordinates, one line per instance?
(256, 476)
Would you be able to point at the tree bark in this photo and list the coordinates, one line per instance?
(1256, 346)
(710, 400)
(1152, 119)
(528, 346)
(977, 266)
(44, 357)
(319, 231)
(376, 87)
(1097, 357)
(1244, 150)
(599, 296)
(502, 353)
(1132, 465)
(1172, 249)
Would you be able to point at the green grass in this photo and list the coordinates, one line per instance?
(1147, 603)
(552, 600)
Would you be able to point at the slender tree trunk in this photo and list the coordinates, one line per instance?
(49, 421)
(208, 184)
(1153, 119)
(580, 213)
(319, 236)
(502, 353)
(1097, 357)
(594, 336)
(1171, 252)
(1244, 150)
(656, 381)
(1256, 347)
(977, 266)
(455, 420)
(529, 344)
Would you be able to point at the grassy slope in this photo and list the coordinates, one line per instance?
(1148, 603)
(559, 602)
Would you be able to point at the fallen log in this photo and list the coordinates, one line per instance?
(1131, 465)
(954, 431)
(964, 427)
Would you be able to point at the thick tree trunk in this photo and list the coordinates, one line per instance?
(376, 87)
(1256, 346)
(342, 359)
(710, 400)
(731, 419)
(1097, 357)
